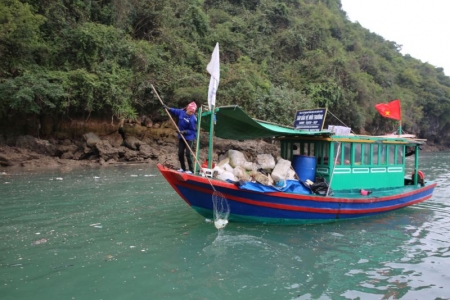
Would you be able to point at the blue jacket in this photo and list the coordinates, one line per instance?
(185, 123)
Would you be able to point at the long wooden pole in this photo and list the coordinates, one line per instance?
(197, 145)
(178, 130)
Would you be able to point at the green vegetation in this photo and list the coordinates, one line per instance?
(80, 58)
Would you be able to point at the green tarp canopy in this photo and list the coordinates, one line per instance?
(234, 124)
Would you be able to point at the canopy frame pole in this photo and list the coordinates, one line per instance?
(334, 166)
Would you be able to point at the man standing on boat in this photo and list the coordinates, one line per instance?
(187, 126)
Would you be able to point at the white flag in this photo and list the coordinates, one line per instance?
(213, 68)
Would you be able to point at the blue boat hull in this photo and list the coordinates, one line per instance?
(290, 208)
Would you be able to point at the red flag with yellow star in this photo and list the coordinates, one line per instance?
(390, 110)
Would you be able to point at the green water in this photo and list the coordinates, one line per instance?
(123, 233)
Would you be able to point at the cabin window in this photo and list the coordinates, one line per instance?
(319, 152)
(301, 149)
(359, 154)
(374, 151)
(391, 154)
(287, 149)
(311, 149)
(337, 153)
(383, 154)
(304, 148)
(379, 154)
(362, 154)
(347, 153)
(400, 156)
(291, 149)
(323, 150)
(308, 149)
(365, 153)
(296, 148)
(342, 153)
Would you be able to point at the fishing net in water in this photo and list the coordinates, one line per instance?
(221, 210)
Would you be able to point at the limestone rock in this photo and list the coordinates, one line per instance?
(91, 139)
(147, 151)
(115, 139)
(37, 145)
(132, 142)
(106, 151)
(146, 121)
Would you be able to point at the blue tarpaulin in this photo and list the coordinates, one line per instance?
(292, 186)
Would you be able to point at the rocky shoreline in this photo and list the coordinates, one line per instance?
(131, 143)
(158, 145)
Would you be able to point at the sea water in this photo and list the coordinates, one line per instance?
(123, 233)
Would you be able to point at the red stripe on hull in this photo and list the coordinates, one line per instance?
(174, 178)
(313, 209)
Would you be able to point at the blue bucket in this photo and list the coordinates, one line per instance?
(305, 167)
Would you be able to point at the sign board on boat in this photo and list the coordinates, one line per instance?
(310, 120)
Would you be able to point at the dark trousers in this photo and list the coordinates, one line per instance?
(182, 148)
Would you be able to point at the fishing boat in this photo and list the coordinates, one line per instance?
(359, 175)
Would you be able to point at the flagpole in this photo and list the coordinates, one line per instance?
(211, 135)
(400, 121)
(213, 68)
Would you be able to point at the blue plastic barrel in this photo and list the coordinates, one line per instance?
(305, 167)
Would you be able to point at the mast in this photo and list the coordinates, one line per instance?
(211, 135)
(213, 68)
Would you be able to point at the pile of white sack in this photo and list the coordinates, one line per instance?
(235, 167)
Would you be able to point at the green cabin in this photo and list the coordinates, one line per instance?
(353, 162)
(345, 161)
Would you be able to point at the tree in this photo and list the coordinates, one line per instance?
(20, 39)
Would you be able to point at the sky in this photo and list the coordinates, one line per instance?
(422, 27)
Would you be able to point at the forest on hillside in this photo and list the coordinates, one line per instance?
(87, 58)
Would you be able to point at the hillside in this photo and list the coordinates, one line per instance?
(89, 60)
